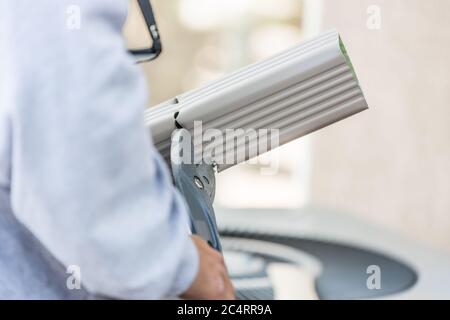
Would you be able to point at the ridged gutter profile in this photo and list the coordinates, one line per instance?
(297, 91)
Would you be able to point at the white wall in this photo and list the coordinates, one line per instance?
(391, 164)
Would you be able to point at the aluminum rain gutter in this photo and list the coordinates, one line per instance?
(298, 91)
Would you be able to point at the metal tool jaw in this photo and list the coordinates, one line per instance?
(197, 183)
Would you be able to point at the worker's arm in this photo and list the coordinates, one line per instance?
(85, 177)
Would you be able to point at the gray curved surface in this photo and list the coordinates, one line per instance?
(344, 268)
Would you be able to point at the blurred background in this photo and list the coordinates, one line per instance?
(389, 165)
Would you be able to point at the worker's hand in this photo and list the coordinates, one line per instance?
(212, 280)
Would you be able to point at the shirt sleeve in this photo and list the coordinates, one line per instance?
(85, 177)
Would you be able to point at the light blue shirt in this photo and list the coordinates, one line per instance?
(80, 180)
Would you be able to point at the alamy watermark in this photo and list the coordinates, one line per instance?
(228, 147)
(374, 280)
(374, 17)
(73, 17)
(73, 281)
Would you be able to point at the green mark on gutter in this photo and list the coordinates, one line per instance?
(349, 62)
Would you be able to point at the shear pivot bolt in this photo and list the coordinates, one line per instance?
(198, 183)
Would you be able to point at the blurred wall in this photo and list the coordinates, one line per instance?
(206, 39)
(391, 164)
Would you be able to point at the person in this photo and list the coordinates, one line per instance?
(82, 187)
